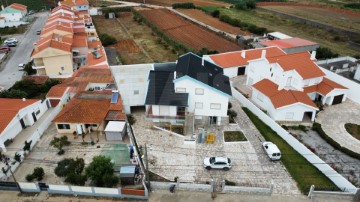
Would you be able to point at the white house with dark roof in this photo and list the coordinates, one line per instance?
(191, 86)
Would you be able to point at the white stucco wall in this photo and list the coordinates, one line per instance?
(82, 7)
(231, 71)
(12, 16)
(330, 96)
(210, 96)
(131, 78)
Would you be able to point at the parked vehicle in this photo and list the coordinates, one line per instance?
(38, 32)
(21, 67)
(217, 163)
(11, 40)
(31, 12)
(272, 150)
(11, 44)
(5, 48)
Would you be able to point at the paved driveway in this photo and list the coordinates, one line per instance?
(9, 73)
(333, 120)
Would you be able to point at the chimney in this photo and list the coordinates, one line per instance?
(313, 55)
(263, 53)
(2, 7)
(243, 54)
(24, 99)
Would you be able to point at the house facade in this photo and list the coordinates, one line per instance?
(13, 15)
(79, 5)
(16, 115)
(191, 86)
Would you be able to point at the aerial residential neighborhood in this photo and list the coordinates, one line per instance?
(199, 100)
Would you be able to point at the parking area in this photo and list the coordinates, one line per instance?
(170, 157)
(45, 156)
(9, 72)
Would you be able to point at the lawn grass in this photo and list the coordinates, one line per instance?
(234, 136)
(353, 129)
(290, 27)
(303, 172)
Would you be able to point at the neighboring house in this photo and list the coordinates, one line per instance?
(132, 81)
(79, 5)
(277, 36)
(235, 63)
(292, 45)
(13, 15)
(17, 114)
(348, 67)
(191, 86)
(90, 111)
(58, 95)
(53, 56)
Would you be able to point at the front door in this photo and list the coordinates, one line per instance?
(338, 99)
(212, 119)
(241, 71)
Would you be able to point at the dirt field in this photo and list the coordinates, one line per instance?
(136, 42)
(293, 28)
(335, 19)
(188, 33)
(214, 22)
(45, 156)
(196, 2)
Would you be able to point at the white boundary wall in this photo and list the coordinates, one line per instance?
(354, 88)
(335, 177)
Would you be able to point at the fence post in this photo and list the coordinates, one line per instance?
(311, 191)
(271, 187)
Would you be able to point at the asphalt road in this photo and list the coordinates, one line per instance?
(9, 72)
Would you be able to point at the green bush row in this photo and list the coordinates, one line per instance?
(187, 5)
(245, 4)
(176, 45)
(317, 127)
(352, 5)
(243, 25)
(107, 40)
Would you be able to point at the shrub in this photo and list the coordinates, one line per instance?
(352, 5)
(107, 40)
(38, 173)
(229, 183)
(325, 53)
(76, 179)
(131, 119)
(215, 13)
(245, 5)
(29, 177)
(183, 5)
(232, 115)
(59, 143)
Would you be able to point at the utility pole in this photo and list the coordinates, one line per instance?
(6, 161)
(147, 168)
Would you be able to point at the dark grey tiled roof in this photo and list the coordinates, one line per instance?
(203, 71)
(161, 90)
(167, 66)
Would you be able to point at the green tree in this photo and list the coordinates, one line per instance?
(38, 173)
(59, 143)
(13, 93)
(325, 53)
(71, 169)
(27, 145)
(28, 68)
(131, 119)
(17, 157)
(101, 171)
(107, 40)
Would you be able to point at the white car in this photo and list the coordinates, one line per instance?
(217, 163)
(21, 67)
(272, 150)
(11, 40)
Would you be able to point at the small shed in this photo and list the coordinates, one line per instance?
(115, 130)
(127, 175)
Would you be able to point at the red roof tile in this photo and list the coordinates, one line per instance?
(10, 107)
(288, 43)
(300, 62)
(281, 98)
(234, 59)
(37, 79)
(56, 91)
(92, 60)
(18, 6)
(324, 87)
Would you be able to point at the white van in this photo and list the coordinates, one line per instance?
(272, 150)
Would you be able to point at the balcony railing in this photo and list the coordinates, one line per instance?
(180, 115)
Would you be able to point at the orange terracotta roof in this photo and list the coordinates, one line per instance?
(92, 60)
(71, 2)
(62, 7)
(281, 98)
(98, 66)
(79, 30)
(300, 62)
(18, 6)
(60, 45)
(56, 91)
(288, 43)
(83, 111)
(79, 41)
(66, 18)
(9, 107)
(234, 59)
(37, 79)
(94, 44)
(324, 87)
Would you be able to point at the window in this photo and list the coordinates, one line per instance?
(289, 115)
(199, 91)
(63, 126)
(198, 105)
(136, 92)
(62, 68)
(181, 90)
(260, 96)
(215, 106)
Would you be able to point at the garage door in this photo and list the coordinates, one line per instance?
(241, 71)
(337, 99)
